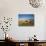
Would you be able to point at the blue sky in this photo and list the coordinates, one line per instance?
(26, 16)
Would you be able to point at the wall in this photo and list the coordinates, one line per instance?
(11, 8)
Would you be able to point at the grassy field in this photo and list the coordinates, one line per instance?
(26, 23)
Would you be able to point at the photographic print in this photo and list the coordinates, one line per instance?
(26, 19)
